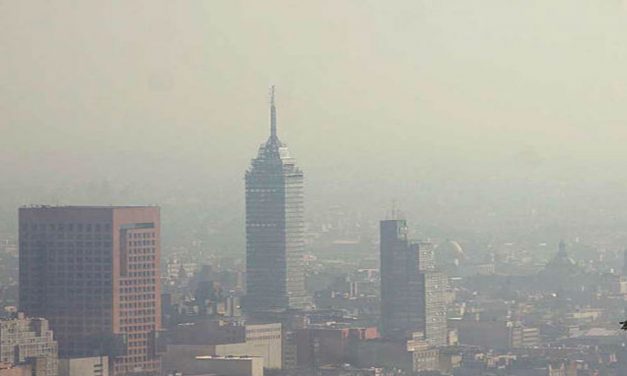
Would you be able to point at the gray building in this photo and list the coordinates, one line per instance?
(412, 289)
(226, 339)
(89, 366)
(274, 227)
(29, 342)
(205, 365)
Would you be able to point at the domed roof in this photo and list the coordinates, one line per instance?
(450, 249)
(562, 259)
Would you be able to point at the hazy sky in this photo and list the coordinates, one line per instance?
(374, 95)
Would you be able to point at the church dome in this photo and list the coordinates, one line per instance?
(561, 259)
(449, 250)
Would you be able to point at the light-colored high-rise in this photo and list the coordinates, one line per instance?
(274, 227)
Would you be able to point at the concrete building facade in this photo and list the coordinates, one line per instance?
(88, 366)
(217, 365)
(27, 345)
(502, 335)
(15, 370)
(212, 338)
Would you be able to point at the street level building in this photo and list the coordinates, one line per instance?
(226, 339)
(204, 365)
(89, 366)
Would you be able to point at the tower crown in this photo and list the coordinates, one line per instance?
(273, 148)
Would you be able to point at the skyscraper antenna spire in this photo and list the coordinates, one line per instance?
(273, 134)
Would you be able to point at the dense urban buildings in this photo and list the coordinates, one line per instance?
(412, 290)
(27, 347)
(274, 227)
(93, 272)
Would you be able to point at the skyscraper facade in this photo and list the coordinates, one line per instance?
(274, 227)
(412, 290)
(93, 272)
(433, 307)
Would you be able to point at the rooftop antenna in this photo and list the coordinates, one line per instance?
(273, 134)
(395, 212)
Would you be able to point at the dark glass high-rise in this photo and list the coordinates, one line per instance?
(274, 227)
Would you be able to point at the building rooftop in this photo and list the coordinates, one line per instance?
(227, 357)
(42, 206)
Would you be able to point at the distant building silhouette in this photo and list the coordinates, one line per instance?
(562, 273)
(274, 227)
(562, 263)
(93, 272)
(449, 257)
(412, 289)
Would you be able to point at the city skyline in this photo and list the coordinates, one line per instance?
(115, 112)
(154, 222)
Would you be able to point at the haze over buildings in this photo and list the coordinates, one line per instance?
(454, 108)
(153, 245)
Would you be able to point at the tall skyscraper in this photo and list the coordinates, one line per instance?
(274, 227)
(93, 272)
(412, 290)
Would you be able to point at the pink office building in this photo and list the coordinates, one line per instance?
(93, 272)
